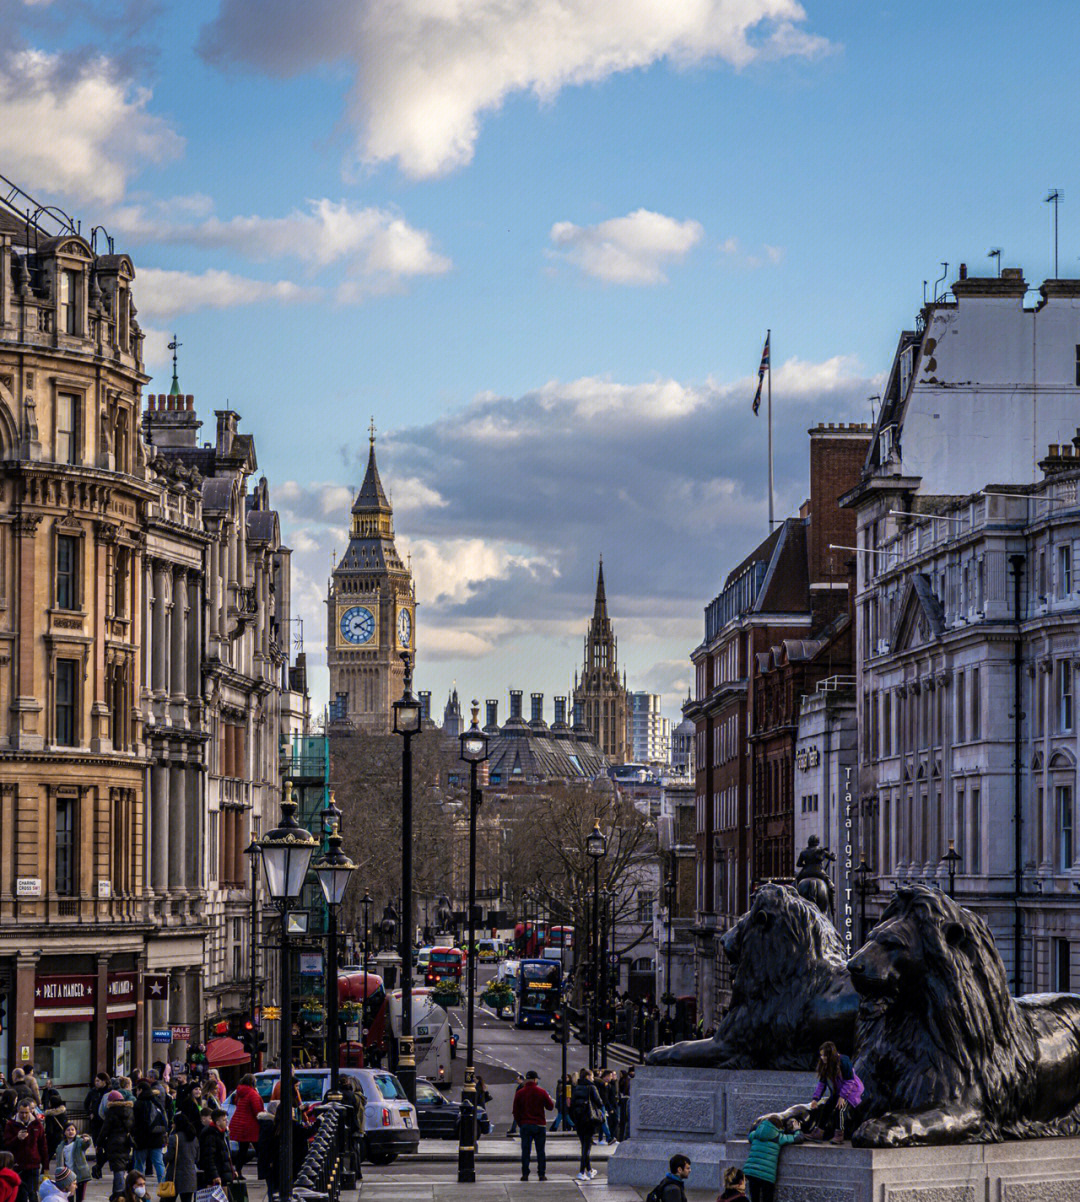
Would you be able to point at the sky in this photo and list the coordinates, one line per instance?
(539, 242)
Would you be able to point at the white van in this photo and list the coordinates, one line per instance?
(431, 1034)
(509, 971)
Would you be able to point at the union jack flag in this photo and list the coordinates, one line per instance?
(762, 369)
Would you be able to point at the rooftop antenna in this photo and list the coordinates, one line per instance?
(924, 283)
(1054, 197)
(941, 278)
(873, 411)
(995, 253)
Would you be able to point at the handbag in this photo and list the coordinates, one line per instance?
(167, 1188)
(237, 1191)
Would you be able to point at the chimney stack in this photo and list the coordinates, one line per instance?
(492, 710)
(537, 700)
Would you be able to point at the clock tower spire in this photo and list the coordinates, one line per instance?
(371, 611)
(601, 694)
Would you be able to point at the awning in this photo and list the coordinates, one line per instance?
(224, 1051)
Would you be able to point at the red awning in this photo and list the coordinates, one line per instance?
(225, 1051)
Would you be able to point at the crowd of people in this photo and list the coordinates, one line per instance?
(171, 1128)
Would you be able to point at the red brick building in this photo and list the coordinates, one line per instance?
(791, 589)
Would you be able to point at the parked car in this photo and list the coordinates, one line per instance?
(440, 1117)
(390, 1122)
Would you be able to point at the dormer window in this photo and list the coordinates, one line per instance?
(68, 316)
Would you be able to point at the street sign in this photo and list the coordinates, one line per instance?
(311, 964)
(271, 1012)
(163, 1035)
(181, 1034)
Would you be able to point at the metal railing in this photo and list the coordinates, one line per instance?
(321, 1176)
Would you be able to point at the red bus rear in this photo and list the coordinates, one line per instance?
(445, 964)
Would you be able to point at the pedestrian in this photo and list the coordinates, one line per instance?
(513, 1121)
(766, 1140)
(215, 1164)
(215, 1087)
(32, 1082)
(11, 1185)
(182, 1157)
(92, 1105)
(21, 1086)
(609, 1095)
(244, 1124)
(354, 1101)
(734, 1185)
(150, 1130)
(116, 1139)
(134, 1187)
(586, 1110)
(672, 1189)
(530, 1102)
(836, 1076)
(266, 1153)
(59, 1188)
(623, 1090)
(562, 1105)
(54, 1114)
(71, 1154)
(24, 1138)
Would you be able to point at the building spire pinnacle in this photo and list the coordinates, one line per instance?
(600, 608)
(174, 346)
(371, 431)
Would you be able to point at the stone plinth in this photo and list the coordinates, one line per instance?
(706, 1113)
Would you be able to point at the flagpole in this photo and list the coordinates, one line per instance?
(768, 342)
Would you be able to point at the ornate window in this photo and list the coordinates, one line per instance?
(67, 572)
(67, 427)
(65, 881)
(66, 715)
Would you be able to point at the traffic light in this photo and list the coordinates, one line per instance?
(558, 1031)
(249, 1037)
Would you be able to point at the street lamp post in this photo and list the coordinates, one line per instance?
(334, 870)
(862, 871)
(951, 859)
(670, 886)
(596, 848)
(286, 852)
(252, 851)
(606, 946)
(407, 716)
(366, 901)
(474, 750)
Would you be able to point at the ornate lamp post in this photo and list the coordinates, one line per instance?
(951, 859)
(862, 872)
(252, 851)
(596, 848)
(334, 870)
(474, 750)
(407, 716)
(286, 852)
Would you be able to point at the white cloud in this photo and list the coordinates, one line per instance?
(82, 129)
(166, 293)
(377, 248)
(448, 571)
(427, 70)
(626, 250)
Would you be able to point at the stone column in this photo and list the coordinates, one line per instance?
(100, 1024)
(23, 1017)
(157, 681)
(196, 830)
(178, 666)
(177, 827)
(159, 827)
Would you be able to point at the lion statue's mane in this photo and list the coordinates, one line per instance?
(946, 1055)
(790, 991)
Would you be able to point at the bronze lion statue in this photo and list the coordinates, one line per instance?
(790, 991)
(946, 1055)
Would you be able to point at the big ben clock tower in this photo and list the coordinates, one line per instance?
(371, 613)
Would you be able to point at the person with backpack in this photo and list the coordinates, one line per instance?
(92, 1105)
(672, 1188)
(116, 1140)
(586, 1111)
(150, 1130)
(766, 1140)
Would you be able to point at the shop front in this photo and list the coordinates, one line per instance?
(120, 1049)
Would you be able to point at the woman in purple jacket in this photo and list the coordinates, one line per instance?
(834, 1115)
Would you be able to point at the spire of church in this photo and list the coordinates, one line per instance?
(371, 495)
(600, 607)
(174, 346)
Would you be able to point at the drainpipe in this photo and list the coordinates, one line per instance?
(1017, 564)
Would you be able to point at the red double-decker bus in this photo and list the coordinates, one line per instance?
(445, 964)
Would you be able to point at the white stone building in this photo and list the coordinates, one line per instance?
(968, 617)
(648, 732)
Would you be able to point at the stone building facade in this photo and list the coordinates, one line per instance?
(371, 615)
(600, 694)
(75, 907)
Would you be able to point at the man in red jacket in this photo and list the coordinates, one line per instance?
(24, 1138)
(530, 1102)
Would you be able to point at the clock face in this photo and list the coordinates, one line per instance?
(404, 628)
(358, 624)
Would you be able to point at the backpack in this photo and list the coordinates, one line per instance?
(657, 1193)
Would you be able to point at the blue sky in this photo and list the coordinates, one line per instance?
(541, 244)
